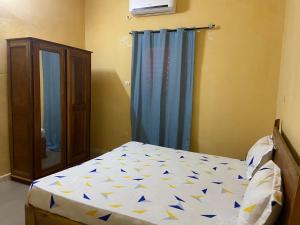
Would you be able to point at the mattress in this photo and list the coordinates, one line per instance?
(145, 185)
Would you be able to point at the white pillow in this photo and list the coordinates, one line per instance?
(260, 153)
(263, 197)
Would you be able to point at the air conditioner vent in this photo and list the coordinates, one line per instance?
(150, 7)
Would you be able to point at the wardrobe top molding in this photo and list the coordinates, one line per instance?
(50, 42)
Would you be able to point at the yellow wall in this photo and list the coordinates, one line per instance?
(289, 84)
(236, 72)
(55, 20)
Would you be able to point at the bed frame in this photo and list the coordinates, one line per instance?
(284, 156)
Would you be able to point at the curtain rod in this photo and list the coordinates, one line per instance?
(210, 26)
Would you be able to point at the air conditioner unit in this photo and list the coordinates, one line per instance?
(151, 7)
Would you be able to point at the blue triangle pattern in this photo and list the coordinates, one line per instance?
(93, 171)
(209, 216)
(195, 173)
(182, 157)
(240, 177)
(138, 179)
(86, 197)
(123, 171)
(204, 191)
(104, 218)
(237, 205)
(179, 199)
(215, 168)
(60, 176)
(52, 202)
(264, 169)
(176, 207)
(166, 172)
(194, 177)
(217, 182)
(142, 199)
(124, 155)
(251, 161)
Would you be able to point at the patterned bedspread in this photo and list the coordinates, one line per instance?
(146, 185)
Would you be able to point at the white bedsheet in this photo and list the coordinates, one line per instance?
(144, 185)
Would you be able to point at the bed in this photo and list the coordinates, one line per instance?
(149, 185)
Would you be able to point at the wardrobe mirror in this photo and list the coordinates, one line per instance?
(50, 108)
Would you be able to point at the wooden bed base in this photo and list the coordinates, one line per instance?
(35, 216)
(284, 157)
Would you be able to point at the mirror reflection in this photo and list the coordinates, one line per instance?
(50, 108)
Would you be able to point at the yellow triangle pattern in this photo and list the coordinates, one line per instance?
(198, 196)
(92, 213)
(116, 206)
(119, 186)
(66, 192)
(249, 209)
(139, 211)
(171, 215)
(88, 184)
(107, 193)
(226, 191)
(172, 186)
(244, 184)
(57, 183)
(141, 186)
(188, 182)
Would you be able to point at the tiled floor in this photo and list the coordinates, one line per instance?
(12, 202)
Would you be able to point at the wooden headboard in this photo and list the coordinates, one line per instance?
(286, 159)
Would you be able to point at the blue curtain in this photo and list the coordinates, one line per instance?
(162, 87)
(51, 85)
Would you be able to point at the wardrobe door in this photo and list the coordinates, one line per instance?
(79, 97)
(21, 109)
(49, 107)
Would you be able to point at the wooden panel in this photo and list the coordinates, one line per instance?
(21, 108)
(79, 97)
(290, 176)
(36, 216)
(38, 46)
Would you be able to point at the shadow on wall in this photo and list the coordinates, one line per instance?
(110, 116)
(182, 6)
(199, 56)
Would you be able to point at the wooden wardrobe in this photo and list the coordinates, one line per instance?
(49, 106)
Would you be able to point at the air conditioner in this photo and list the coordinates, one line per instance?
(151, 7)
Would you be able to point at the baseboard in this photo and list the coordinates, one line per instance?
(5, 177)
